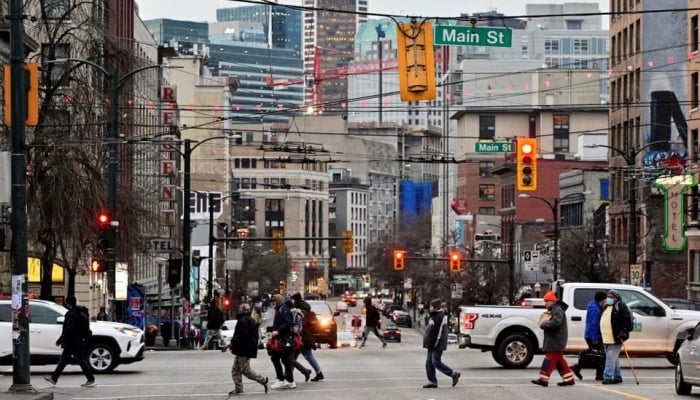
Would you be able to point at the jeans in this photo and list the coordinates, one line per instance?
(282, 361)
(434, 361)
(306, 351)
(612, 362)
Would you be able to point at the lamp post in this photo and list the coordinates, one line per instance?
(630, 156)
(554, 207)
(116, 83)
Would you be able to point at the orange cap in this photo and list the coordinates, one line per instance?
(550, 296)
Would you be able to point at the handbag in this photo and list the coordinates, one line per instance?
(290, 342)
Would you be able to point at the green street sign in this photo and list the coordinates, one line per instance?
(451, 35)
(494, 147)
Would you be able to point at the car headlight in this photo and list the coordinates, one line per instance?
(128, 331)
(325, 322)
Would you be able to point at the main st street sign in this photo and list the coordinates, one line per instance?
(451, 35)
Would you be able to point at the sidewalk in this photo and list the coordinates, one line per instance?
(26, 396)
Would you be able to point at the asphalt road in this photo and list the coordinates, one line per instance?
(368, 374)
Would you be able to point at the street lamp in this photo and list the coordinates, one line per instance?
(511, 256)
(116, 83)
(554, 207)
(630, 157)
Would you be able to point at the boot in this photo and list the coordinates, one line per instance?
(540, 382)
(577, 371)
(318, 377)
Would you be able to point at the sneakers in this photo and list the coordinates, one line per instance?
(264, 383)
(89, 384)
(289, 385)
(277, 385)
(318, 377)
(577, 371)
(455, 378)
(566, 383)
(235, 392)
(540, 382)
(50, 380)
(430, 386)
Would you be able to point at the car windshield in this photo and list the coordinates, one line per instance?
(320, 308)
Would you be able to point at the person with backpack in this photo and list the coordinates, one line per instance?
(372, 322)
(308, 339)
(615, 328)
(215, 319)
(282, 334)
(74, 339)
(244, 345)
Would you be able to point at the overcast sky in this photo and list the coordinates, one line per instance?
(205, 10)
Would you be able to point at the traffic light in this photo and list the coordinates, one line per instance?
(527, 164)
(278, 245)
(227, 303)
(174, 272)
(347, 242)
(455, 261)
(416, 59)
(366, 279)
(97, 265)
(105, 234)
(399, 260)
(31, 86)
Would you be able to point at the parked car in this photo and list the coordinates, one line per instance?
(346, 339)
(682, 304)
(327, 330)
(687, 359)
(392, 332)
(111, 344)
(451, 338)
(341, 306)
(227, 331)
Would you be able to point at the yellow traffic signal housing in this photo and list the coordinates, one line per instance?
(416, 59)
(526, 172)
(455, 261)
(278, 245)
(31, 86)
(347, 242)
(399, 260)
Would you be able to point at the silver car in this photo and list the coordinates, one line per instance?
(688, 361)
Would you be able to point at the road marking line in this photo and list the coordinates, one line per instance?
(621, 393)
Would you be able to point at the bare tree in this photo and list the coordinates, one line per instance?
(583, 254)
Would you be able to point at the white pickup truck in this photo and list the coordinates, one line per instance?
(513, 336)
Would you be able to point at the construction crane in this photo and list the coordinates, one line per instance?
(321, 75)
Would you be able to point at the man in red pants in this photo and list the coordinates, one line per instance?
(556, 334)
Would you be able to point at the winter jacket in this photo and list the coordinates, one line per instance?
(372, 317)
(620, 321)
(592, 330)
(284, 320)
(215, 318)
(245, 337)
(556, 333)
(75, 330)
(308, 324)
(435, 337)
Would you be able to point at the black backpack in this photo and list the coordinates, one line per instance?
(84, 323)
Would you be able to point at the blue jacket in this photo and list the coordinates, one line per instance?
(592, 331)
(284, 320)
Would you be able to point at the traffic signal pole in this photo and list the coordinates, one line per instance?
(18, 220)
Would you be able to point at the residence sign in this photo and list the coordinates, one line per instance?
(452, 35)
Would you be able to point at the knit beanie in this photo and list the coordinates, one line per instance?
(550, 296)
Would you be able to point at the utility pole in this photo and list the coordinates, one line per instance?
(18, 219)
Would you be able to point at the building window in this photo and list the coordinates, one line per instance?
(551, 46)
(487, 192)
(694, 90)
(487, 210)
(695, 265)
(581, 45)
(574, 24)
(561, 133)
(694, 33)
(485, 168)
(55, 51)
(487, 126)
(249, 137)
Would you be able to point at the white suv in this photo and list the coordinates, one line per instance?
(112, 343)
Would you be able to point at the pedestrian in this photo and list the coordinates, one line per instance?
(435, 341)
(215, 318)
(282, 332)
(592, 337)
(308, 338)
(615, 328)
(372, 321)
(244, 345)
(556, 334)
(102, 315)
(74, 338)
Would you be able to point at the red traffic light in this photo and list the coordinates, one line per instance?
(103, 220)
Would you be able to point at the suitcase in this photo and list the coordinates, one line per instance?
(591, 358)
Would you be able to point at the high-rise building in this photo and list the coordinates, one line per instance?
(329, 32)
(282, 25)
